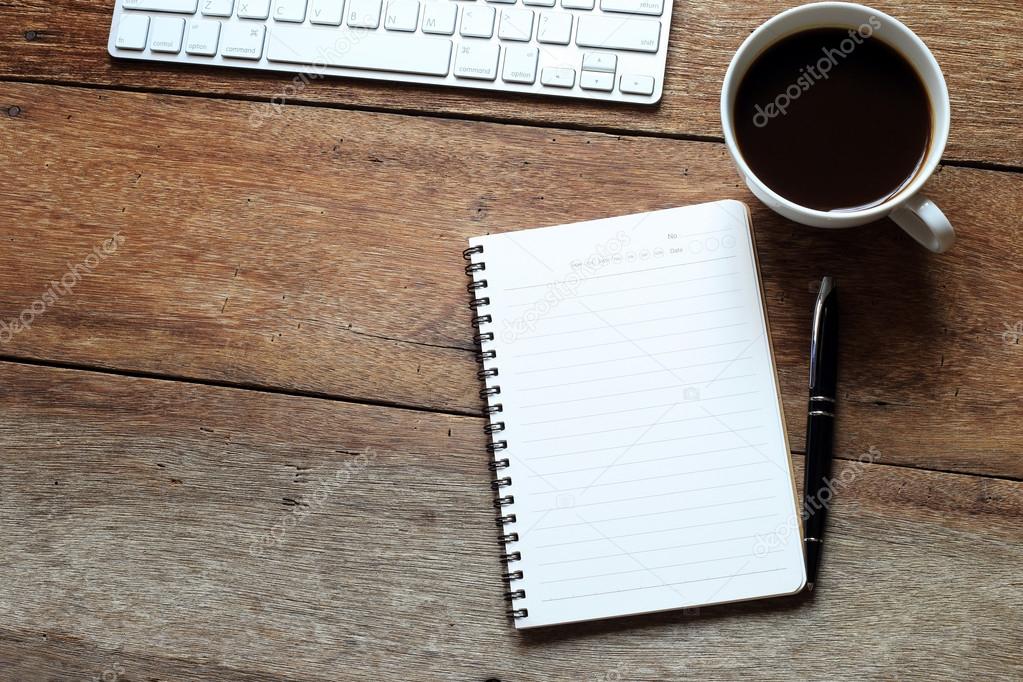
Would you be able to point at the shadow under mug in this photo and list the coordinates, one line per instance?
(913, 212)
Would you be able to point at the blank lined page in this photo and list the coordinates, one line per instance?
(645, 442)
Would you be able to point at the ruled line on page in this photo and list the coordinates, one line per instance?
(576, 560)
(530, 337)
(639, 304)
(625, 536)
(588, 415)
(629, 272)
(675, 386)
(634, 357)
(651, 587)
(623, 290)
(558, 491)
(699, 489)
(628, 340)
(645, 443)
(654, 568)
(601, 414)
(634, 374)
(631, 462)
(640, 426)
(657, 513)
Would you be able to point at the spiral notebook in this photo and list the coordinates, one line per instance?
(639, 449)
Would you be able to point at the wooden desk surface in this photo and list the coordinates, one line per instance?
(279, 347)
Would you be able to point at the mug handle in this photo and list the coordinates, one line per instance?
(923, 221)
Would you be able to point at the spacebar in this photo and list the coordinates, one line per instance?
(357, 49)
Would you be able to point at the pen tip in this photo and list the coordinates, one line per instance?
(809, 587)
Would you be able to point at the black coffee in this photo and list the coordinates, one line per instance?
(832, 119)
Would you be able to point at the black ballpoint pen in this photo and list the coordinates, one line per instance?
(820, 424)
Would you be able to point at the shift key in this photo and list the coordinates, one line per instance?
(619, 33)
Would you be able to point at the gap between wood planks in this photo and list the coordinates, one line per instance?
(552, 125)
(316, 395)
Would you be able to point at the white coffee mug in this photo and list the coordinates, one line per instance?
(913, 212)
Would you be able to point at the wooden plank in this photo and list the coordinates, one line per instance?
(66, 41)
(131, 507)
(322, 254)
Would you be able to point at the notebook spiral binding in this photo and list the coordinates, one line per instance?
(502, 497)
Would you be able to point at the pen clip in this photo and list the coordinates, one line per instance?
(816, 338)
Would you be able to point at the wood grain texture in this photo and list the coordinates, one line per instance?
(321, 254)
(131, 508)
(977, 47)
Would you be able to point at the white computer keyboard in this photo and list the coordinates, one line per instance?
(611, 50)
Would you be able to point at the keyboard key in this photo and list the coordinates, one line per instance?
(516, 24)
(439, 17)
(364, 13)
(243, 41)
(651, 7)
(217, 8)
(132, 31)
(633, 84)
(477, 21)
(502, 2)
(577, 4)
(326, 12)
(477, 59)
(290, 10)
(558, 77)
(640, 35)
(253, 9)
(539, 3)
(203, 37)
(179, 6)
(402, 15)
(165, 34)
(554, 28)
(596, 80)
(599, 61)
(376, 51)
(520, 64)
